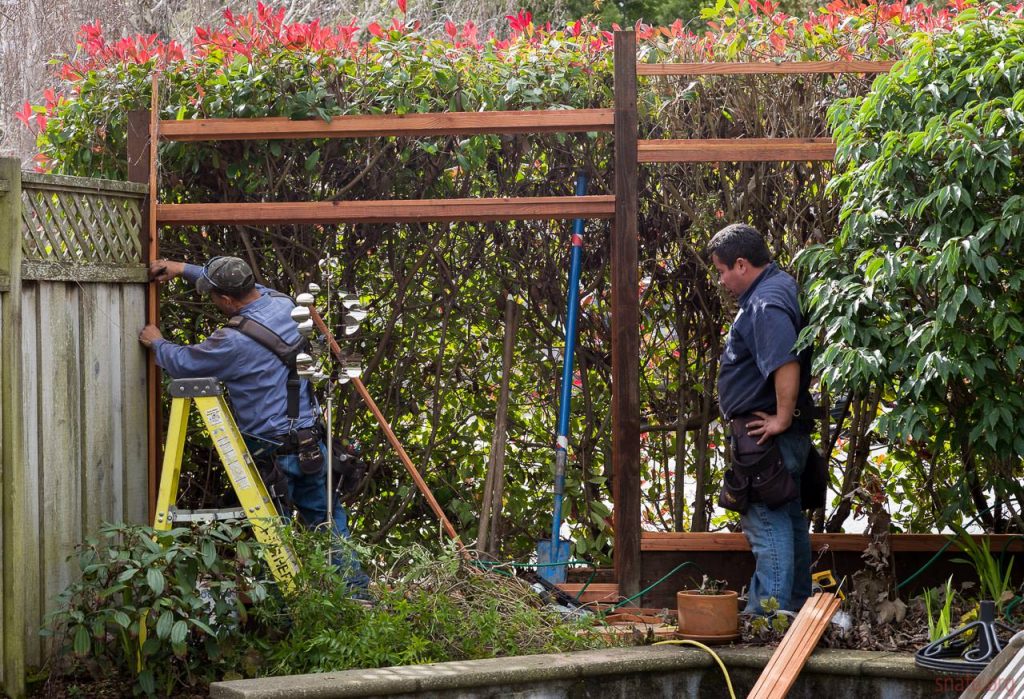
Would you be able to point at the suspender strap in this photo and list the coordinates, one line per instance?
(287, 353)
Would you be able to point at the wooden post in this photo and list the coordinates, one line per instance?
(626, 323)
(12, 474)
(494, 488)
(141, 155)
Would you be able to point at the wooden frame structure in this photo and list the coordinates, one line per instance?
(146, 130)
(630, 150)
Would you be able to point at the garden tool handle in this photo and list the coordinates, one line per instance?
(389, 433)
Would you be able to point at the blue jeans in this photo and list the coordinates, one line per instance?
(309, 494)
(779, 539)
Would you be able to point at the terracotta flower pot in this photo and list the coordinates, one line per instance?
(710, 617)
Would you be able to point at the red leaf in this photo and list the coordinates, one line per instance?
(450, 29)
(402, 4)
(375, 29)
(24, 114)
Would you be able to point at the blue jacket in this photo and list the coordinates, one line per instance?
(254, 376)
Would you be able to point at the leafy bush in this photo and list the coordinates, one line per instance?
(163, 607)
(173, 611)
(921, 292)
(429, 607)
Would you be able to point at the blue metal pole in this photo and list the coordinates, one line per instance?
(562, 439)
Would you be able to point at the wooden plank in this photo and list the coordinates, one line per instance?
(735, 150)
(131, 489)
(595, 592)
(59, 381)
(766, 680)
(625, 286)
(765, 68)
(142, 130)
(820, 616)
(797, 645)
(84, 185)
(150, 253)
(805, 638)
(728, 541)
(408, 211)
(100, 407)
(371, 125)
(3, 468)
(31, 563)
(1004, 676)
(41, 270)
(14, 528)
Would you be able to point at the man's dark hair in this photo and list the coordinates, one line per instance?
(237, 294)
(739, 240)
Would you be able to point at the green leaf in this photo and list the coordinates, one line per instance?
(82, 642)
(147, 682)
(209, 553)
(163, 625)
(155, 580)
(179, 631)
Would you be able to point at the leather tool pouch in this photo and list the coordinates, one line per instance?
(276, 483)
(307, 448)
(348, 468)
(769, 479)
(814, 481)
(735, 492)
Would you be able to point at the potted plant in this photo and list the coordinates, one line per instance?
(708, 612)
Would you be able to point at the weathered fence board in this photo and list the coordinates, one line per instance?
(60, 430)
(131, 493)
(101, 359)
(79, 394)
(32, 536)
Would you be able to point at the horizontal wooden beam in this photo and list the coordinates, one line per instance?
(766, 68)
(42, 270)
(594, 592)
(366, 125)
(83, 185)
(408, 211)
(728, 541)
(734, 150)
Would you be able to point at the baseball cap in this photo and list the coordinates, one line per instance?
(229, 275)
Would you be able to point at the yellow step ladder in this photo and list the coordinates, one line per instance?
(255, 501)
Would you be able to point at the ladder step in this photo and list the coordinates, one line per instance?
(211, 515)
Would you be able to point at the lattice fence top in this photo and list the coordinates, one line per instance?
(79, 220)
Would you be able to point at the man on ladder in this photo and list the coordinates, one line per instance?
(253, 356)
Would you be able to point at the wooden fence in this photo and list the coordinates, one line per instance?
(72, 389)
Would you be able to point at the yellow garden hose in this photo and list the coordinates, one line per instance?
(688, 642)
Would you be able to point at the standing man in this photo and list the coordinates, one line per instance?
(762, 389)
(267, 410)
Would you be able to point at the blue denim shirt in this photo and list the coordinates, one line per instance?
(760, 341)
(254, 376)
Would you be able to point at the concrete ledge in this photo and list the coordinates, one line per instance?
(522, 674)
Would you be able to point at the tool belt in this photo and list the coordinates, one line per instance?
(757, 474)
(305, 443)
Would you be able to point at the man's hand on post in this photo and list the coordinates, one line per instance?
(768, 425)
(149, 335)
(165, 270)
